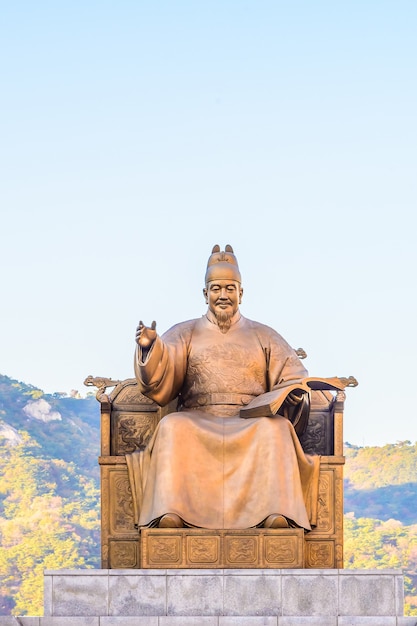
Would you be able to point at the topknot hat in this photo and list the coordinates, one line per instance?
(222, 265)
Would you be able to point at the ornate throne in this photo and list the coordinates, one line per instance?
(128, 420)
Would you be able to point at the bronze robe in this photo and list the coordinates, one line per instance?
(205, 463)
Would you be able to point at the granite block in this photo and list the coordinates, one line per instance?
(197, 620)
(252, 595)
(292, 620)
(137, 595)
(309, 595)
(77, 572)
(252, 620)
(309, 572)
(253, 572)
(195, 572)
(124, 620)
(407, 621)
(11, 620)
(137, 572)
(370, 595)
(357, 620)
(399, 594)
(69, 621)
(389, 571)
(199, 594)
(47, 595)
(79, 595)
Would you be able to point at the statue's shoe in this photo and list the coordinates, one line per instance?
(171, 520)
(276, 521)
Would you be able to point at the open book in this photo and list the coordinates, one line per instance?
(268, 404)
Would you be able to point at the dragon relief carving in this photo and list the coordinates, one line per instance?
(164, 549)
(134, 433)
(123, 554)
(203, 549)
(314, 439)
(241, 550)
(320, 554)
(280, 550)
(324, 521)
(123, 509)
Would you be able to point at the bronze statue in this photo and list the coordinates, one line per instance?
(205, 465)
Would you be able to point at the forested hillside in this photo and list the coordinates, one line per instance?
(66, 428)
(381, 510)
(49, 497)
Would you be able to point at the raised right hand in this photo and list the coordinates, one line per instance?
(145, 335)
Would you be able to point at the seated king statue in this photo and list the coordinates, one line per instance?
(205, 465)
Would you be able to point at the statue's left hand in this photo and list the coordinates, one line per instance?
(293, 398)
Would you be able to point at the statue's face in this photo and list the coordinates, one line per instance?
(223, 295)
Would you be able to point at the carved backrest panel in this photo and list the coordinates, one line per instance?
(132, 431)
(318, 437)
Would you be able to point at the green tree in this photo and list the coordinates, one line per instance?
(374, 544)
(48, 520)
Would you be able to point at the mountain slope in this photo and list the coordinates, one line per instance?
(65, 428)
(381, 482)
(49, 496)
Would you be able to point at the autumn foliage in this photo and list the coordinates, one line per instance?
(49, 497)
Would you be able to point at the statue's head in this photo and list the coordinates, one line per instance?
(223, 291)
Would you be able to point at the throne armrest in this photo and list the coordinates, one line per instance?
(128, 418)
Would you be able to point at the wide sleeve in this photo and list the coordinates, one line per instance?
(283, 365)
(160, 374)
(284, 369)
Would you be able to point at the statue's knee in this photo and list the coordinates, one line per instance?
(172, 421)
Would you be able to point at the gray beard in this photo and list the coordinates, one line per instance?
(224, 320)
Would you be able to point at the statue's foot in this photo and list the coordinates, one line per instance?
(171, 520)
(276, 521)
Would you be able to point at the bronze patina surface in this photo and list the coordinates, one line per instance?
(193, 548)
(173, 444)
(128, 422)
(205, 463)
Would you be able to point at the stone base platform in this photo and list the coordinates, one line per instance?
(245, 597)
(207, 621)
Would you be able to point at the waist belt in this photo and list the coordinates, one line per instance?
(208, 399)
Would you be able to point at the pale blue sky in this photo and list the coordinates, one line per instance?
(136, 135)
